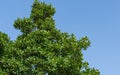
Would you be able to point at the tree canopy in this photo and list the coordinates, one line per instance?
(43, 49)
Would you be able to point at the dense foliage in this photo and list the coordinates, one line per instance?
(42, 48)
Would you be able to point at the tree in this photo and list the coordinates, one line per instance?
(42, 48)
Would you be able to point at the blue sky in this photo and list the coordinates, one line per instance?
(97, 19)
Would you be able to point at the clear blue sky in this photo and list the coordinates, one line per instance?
(97, 19)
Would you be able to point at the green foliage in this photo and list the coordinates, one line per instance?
(42, 48)
(25, 25)
(4, 40)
